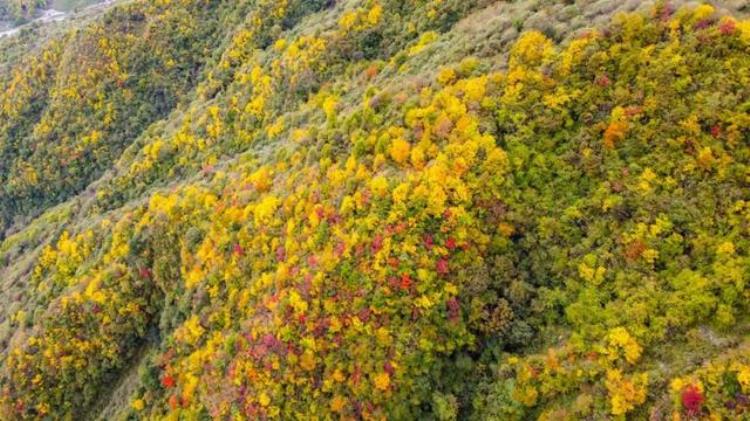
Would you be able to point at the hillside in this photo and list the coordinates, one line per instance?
(377, 209)
(19, 9)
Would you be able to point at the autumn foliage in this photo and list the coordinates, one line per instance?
(325, 228)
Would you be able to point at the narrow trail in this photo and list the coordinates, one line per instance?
(53, 15)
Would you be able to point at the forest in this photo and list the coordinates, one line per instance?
(376, 209)
(19, 9)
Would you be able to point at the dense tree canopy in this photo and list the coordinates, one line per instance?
(364, 210)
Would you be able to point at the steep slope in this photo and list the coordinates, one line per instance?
(379, 209)
(71, 108)
(19, 9)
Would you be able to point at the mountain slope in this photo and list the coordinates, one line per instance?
(19, 9)
(378, 209)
